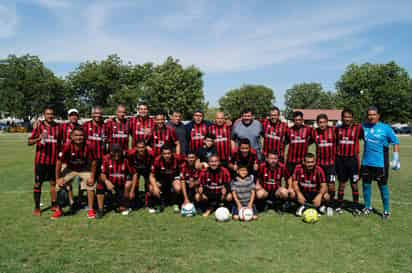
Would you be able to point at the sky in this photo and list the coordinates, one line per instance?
(274, 43)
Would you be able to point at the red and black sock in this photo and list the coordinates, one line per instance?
(37, 196)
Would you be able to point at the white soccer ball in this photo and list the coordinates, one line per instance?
(188, 210)
(222, 214)
(246, 214)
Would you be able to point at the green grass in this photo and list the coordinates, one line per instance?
(170, 243)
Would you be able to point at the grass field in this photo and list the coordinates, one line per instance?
(170, 243)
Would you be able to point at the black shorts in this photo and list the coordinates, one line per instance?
(213, 197)
(102, 189)
(347, 168)
(191, 192)
(291, 167)
(378, 174)
(330, 173)
(309, 196)
(44, 172)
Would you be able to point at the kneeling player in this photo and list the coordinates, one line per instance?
(309, 183)
(214, 185)
(189, 178)
(243, 192)
(269, 181)
(117, 178)
(79, 163)
(165, 180)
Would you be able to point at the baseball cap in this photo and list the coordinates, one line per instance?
(73, 111)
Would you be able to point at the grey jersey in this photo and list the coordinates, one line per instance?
(252, 132)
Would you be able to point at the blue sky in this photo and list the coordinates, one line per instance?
(275, 43)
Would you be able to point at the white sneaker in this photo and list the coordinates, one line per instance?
(300, 210)
(151, 210)
(126, 212)
(322, 209)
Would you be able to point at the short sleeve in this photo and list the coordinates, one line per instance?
(35, 133)
(390, 134)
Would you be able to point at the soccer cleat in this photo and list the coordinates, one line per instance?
(99, 214)
(151, 210)
(126, 212)
(176, 209)
(91, 214)
(339, 210)
(300, 210)
(322, 209)
(366, 211)
(54, 208)
(36, 212)
(356, 212)
(57, 214)
(386, 216)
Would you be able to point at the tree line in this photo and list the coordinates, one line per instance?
(26, 86)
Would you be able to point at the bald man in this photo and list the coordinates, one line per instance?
(223, 142)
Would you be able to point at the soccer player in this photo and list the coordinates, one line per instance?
(269, 180)
(347, 158)
(140, 126)
(375, 162)
(274, 134)
(298, 138)
(189, 178)
(177, 124)
(248, 128)
(325, 140)
(117, 130)
(162, 135)
(309, 184)
(214, 185)
(223, 141)
(196, 131)
(118, 177)
(165, 176)
(141, 160)
(79, 162)
(243, 191)
(46, 138)
(67, 127)
(246, 156)
(94, 133)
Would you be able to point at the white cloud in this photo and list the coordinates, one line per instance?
(8, 21)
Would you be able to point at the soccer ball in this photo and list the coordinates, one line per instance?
(188, 210)
(222, 214)
(245, 214)
(310, 216)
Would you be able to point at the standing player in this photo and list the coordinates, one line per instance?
(347, 158)
(79, 163)
(309, 184)
(196, 131)
(214, 185)
(298, 138)
(325, 140)
(67, 127)
(141, 126)
(223, 141)
(180, 129)
(117, 177)
(189, 178)
(375, 162)
(162, 135)
(274, 134)
(165, 179)
(94, 132)
(46, 137)
(269, 180)
(117, 130)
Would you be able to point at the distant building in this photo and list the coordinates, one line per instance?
(309, 115)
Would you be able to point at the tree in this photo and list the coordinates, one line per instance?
(257, 98)
(308, 96)
(386, 86)
(26, 86)
(170, 86)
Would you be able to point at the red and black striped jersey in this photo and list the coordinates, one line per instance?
(348, 140)
(118, 172)
(76, 158)
(309, 180)
(274, 137)
(298, 140)
(48, 148)
(65, 131)
(248, 159)
(196, 136)
(167, 171)
(137, 126)
(271, 178)
(325, 141)
(141, 163)
(223, 140)
(214, 180)
(95, 135)
(188, 173)
(160, 137)
(117, 132)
